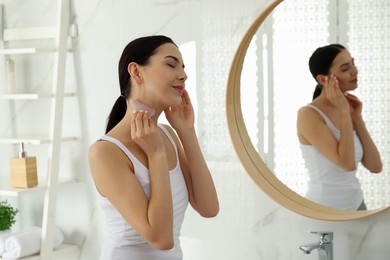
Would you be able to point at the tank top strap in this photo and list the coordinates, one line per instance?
(327, 120)
(130, 155)
(166, 132)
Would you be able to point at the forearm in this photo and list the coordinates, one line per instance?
(346, 147)
(160, 209)
(205, 195)
(371, 157)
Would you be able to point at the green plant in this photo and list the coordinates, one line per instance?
(7, 215)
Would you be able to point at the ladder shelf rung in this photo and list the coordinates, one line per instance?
(17, 51)
(25, 51)
(6, 188)
(31, 96)
(34, 141)
(36, 33)
(29, 33)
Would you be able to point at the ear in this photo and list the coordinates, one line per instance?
(135, 72)
(321, 79)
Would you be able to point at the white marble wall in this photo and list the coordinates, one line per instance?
(250, 226)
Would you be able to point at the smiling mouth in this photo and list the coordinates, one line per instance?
(354, 81)
(179, 89)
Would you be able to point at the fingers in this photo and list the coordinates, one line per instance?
(141, 124)
(331, 86)
(186, 98)
(351, 97)
(332, 82)
(353, 100)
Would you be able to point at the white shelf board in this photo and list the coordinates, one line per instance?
(35, 33)
(31, 96)
(62, 249)
(7, 190)
(32, 140)
(31, 33)
(25, 51)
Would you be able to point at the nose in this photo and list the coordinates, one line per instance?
(355, 70)
(183, 75)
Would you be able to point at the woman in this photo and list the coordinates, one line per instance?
(145, 174)
(332, 133)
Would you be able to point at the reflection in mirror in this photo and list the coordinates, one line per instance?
(276, 82)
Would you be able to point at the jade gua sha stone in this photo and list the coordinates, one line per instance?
(137, 106)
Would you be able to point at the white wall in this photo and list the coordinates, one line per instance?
(250, 225)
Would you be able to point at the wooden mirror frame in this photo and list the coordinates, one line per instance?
(249, 157)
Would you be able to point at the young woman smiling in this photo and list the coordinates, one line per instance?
(146, 173)
(332, 132)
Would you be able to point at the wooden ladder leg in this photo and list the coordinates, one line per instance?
(49, 211)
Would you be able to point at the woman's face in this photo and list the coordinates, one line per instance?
(164, 77)
(343, 67)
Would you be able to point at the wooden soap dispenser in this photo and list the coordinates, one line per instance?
(23, 170)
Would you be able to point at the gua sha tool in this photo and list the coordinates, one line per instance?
(137, 106)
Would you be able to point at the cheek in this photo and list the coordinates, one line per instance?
(166, 73)
(160, 78)
(341, 78)
(344, 84)
(169, 75)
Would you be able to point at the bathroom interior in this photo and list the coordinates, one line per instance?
(247, 76)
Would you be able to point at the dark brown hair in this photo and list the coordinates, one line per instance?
(139, 51)
(320, 62)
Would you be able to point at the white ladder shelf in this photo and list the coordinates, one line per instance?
(60, 33)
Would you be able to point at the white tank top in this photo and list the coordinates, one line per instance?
(122, 241)
(329, 184)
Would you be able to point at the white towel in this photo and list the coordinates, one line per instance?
(28, 243)
(3, 236)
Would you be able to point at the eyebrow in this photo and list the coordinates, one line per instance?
(343, 65)
(347, 63)
(173, 57)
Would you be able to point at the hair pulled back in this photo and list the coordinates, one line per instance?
(320, 62)
(139, 51)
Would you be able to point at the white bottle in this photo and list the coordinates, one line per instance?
(9, 65)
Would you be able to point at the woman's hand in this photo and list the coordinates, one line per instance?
(355, 105)
(182, 116)
(334, 94)
(145, 133)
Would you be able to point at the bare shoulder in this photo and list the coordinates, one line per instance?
(305, 110)
(101, 149)
(309, 125)
(308, 114)
(109, 168)
(104, 154)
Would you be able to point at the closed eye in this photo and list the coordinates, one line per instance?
(174, 59)
(344, 67)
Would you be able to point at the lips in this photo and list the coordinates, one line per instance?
(179, 89)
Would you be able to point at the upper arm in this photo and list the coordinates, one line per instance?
(312, 130)
(114, 178)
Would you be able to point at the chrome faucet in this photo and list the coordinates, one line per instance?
(324, 245)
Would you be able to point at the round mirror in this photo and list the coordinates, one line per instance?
(257, 113)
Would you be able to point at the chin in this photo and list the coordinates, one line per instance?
(353, 86)
(177, 102)
(174, 103)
